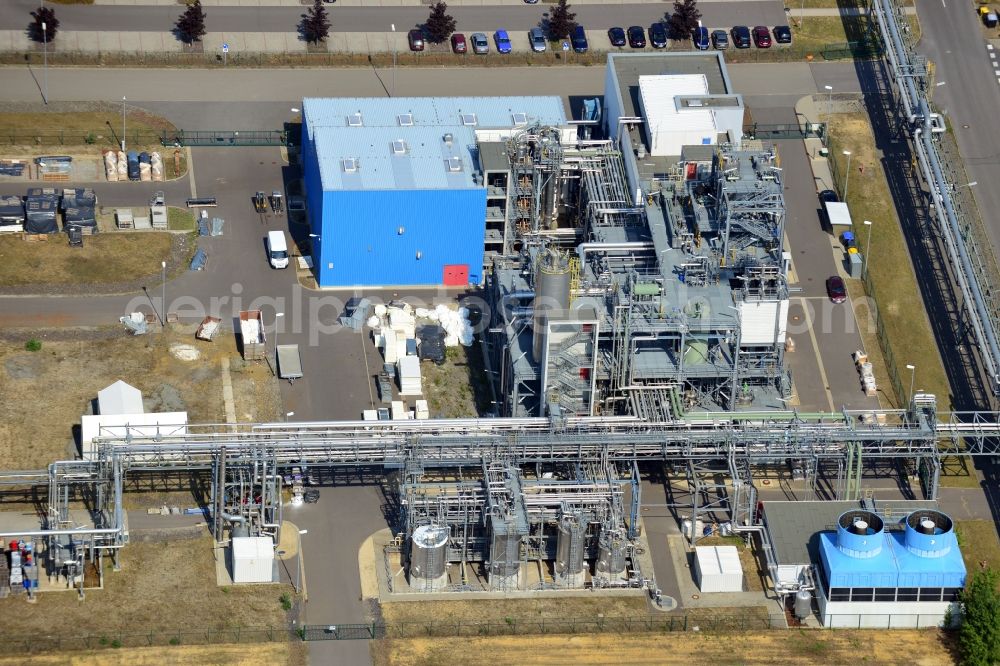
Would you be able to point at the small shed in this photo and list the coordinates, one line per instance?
(123, 217)
(838, 214)
(252, 559)
(120, 398)
(718, 569)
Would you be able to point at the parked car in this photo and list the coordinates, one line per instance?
(578, 38)
(658, 35)
(531, 2)
(762, 37)
(828, 196)
(502, 40)
(782, 34)
(458, 44)
(720, 40)
(741, 36)
(700, 38)
(416, 39)
(480, 44)
(617, 36)
(636, 37)
(537, 40)
(835, 289)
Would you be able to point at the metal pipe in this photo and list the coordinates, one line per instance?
(583, 248)
(47, 533)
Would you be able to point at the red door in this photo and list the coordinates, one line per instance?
(456, 275)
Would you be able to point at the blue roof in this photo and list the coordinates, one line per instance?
(894, 565)
(364, 129)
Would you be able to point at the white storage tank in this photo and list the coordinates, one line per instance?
(252, 559)
(571, 551)
(429, 558)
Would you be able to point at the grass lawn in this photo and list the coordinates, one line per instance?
(895, 284)
(180, 219)
(101, 129)
(104, 258)
(978, 541)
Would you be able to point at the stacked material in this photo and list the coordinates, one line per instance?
(79, 217)
(399, 411)
(156, 166)
(11, 168)
(867, 373)
(409, 375)
(111, 165)
(11, 214)
(122, 165)
(124, 218)
(455, 322)
(40, 216)
(420, 409)
(431, 345)
(78, 197)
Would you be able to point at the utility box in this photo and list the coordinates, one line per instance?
(252, 559)
(718, 569)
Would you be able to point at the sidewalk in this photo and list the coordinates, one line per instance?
(375, 3)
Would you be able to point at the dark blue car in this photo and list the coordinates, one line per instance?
(700, 38)
(617, 36)
(579, 39)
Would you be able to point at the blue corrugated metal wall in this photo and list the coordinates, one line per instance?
(314, 188)
(361, 239)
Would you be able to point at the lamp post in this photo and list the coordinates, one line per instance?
(393, 93)
(123, 123)
(163, 278)
(868, 243)
(45, 67)
(829, 110)
(912, 369)
(847, 178)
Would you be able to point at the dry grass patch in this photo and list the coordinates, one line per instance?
(291, 654)
(457, 389)
(979, 544)
(499, 610)
(104, 258)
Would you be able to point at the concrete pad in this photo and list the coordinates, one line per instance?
(131, 42)
(255, 41)
(355, 42)
(338, 42)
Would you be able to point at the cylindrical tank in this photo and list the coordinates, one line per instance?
(428, 552)
(929, 533)
(611, 552)
(803, 604)
(551, 294)
(570, 550)
(859, 534)
(505, 554)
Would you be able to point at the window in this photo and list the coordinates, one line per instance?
(454, 164)
(840, 594)
(930, 594)
(350, 164)
(405, 119)
(355, 120)
(906, 594)
(399, 147)
(862, 594)
(950, 593)
(520, 119)
(469, 119)
(885, 594)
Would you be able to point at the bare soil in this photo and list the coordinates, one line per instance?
(795, 647)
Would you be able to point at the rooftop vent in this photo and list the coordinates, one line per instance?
(405, 119)
(859, 534)
(453, 164)
(469, 119)
(399, 147)
(350, 164)
(448, 138)
(520, 119)
(355, 120)
(929, 533)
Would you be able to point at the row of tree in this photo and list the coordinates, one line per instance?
(315, 24)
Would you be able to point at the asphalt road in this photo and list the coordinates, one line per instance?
(969, 94)
(15, 14)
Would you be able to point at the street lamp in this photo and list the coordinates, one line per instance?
(45, 69)
(868, 243)
(847, 178)
(123, 123)
(393, 26)
(912, 369)
(829, 105)
(163, 270)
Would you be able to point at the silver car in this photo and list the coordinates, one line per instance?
(479, 42)
(537, 39)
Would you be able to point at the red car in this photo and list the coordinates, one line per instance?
(416, 39)
(762, 37)
(458, 44)
(836, 289)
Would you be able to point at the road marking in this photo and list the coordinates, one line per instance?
(993, 55)
(819, 359)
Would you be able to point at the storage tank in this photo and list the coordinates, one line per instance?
(570, 551)
(551, 294)
(429, 557)
(505, 560)
(803, 604)
(611, 554)
(859, 534)
(929, 534)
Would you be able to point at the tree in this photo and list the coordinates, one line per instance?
(440, 24)
(45, 15)
(315, 24)
(979, 636)
(684, 19)
(191, 24)
(561, 21)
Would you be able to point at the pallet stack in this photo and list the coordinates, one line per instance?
(866, 373)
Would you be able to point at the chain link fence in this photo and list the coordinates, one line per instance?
(97, 137)
(40, 642)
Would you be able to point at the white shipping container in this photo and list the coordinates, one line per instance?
(718, 569)
(252, 559)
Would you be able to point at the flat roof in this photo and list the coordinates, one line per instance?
(795, 526)
(628, 67)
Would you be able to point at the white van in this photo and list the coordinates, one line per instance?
(277, 249)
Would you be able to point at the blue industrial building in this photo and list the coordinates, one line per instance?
(394, 187)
